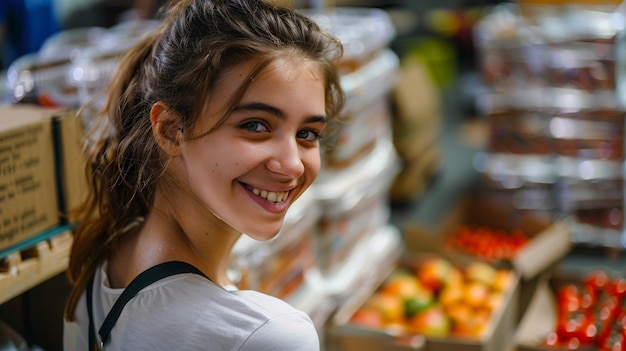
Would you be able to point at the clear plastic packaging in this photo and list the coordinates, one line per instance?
(367, 116)
(354, 204)
(363, 32)
(41, 77)
(510, 50)
(72, 65)
(360, 132)
(91, 69)
(556, 115)
(568, 46)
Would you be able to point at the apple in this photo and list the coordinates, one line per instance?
(368, 318)
(494, 301)
(418, 302)
(482, 272)
(475, 293)
(432, 321)
(459, 312)
(403, 285)
(391, 307)
(451, 294)
(435, 272)
(503, 280)
(455, 277)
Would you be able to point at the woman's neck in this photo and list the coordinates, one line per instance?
(168, 234)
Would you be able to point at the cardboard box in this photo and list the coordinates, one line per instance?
(503, 322)
(498, 337)
(28, 189)
(347, 338)
(550, 240)
(538, 320)
(542, 317)
(70, 137)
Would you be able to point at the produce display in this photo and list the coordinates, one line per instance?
(486, 242)
(435, 297)
(591, 314)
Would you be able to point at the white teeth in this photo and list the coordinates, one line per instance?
(271, 195)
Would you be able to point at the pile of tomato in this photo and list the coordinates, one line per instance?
(487, 243)
(591, 313)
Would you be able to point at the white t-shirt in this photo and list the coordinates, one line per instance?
(189, 312)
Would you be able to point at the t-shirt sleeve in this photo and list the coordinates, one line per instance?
(287, 332)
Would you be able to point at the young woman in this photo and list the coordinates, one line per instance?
(211, 128)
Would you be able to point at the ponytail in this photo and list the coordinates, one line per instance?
(101, 220)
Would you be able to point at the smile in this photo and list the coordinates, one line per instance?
(272, 196)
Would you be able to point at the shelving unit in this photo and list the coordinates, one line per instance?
(555, 114)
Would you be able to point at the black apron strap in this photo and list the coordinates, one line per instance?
(144, 279)
(92, 329)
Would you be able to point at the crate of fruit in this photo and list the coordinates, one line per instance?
(431, 302)
(584, 311)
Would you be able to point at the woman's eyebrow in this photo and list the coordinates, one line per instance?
(316, 119)
(260, 106)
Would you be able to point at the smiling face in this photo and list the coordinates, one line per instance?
(253, 167)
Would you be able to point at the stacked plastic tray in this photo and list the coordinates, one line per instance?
(554, 113)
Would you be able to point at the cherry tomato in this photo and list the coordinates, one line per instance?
(569, 298)
(614, 342)
(579, 325)
(599, 281)
(618, 287)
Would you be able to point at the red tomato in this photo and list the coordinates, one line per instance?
(604, 319)
(599, 281)
(569, 298)
(579, 325)
(611, 303)
(588, 298)
(618, 288)
(615, 342)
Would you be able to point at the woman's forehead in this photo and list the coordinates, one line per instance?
(248, 75)
(257, 69)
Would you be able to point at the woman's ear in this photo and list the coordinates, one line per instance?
(166, 128)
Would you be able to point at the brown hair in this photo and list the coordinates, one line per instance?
(178, 64)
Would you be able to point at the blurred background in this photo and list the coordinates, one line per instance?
(474, 199)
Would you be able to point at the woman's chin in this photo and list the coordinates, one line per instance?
(263, 235)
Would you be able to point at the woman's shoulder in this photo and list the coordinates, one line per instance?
(198, 295)
(285, 327)
(262, 321)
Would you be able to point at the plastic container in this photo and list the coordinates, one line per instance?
(367, 117)
(363, 32)
(354, 204)
(73, 65)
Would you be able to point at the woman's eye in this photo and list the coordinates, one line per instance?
(309, 135)
(254, 126)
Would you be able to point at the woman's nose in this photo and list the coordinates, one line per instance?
(286, 159)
